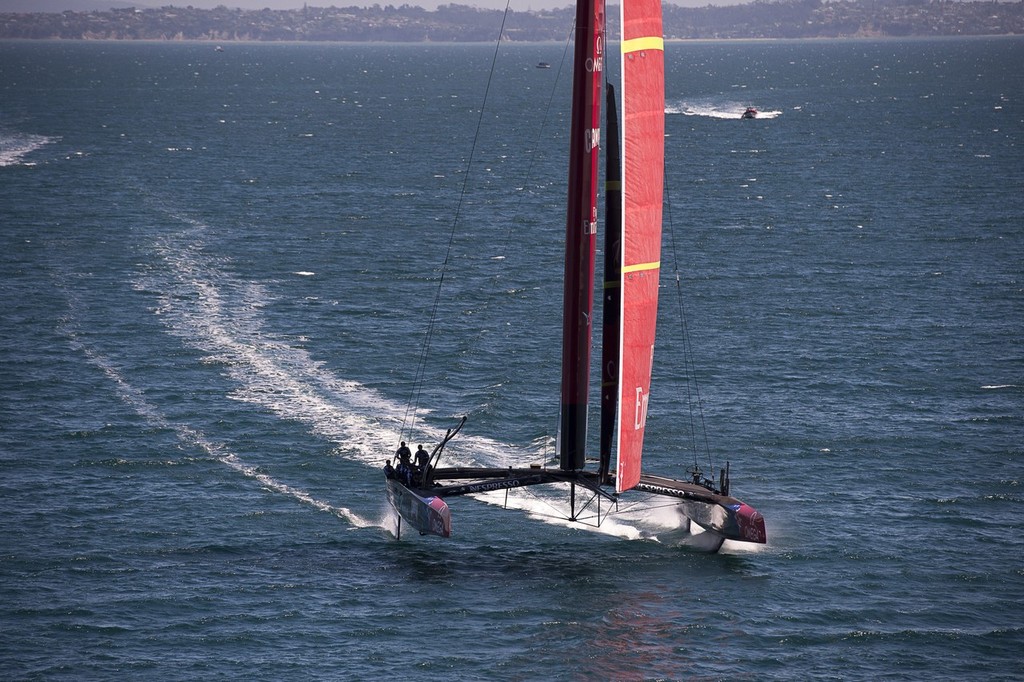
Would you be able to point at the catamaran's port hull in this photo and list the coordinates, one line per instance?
(428, 514)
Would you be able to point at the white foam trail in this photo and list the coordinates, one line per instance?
(221, 316)
(15, 146)
(190, 437)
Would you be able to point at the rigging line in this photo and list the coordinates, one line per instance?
(413, 405)
(533, 160)
(554, 513)
(688, 361)
(533, 156)
(540, 129)
(544, 122)
(569, 40)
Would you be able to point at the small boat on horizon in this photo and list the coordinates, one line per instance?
(543, 65)
(751, 112)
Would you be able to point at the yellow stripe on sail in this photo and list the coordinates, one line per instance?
(640, 267)
(613, 185)
(640, 44)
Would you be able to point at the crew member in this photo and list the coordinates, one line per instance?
(403, 470)
(422, 458)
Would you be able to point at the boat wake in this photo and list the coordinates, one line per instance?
(192, 438)
(720, 110)
(14, 147)
(220, 315)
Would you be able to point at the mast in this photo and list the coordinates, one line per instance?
(580, 232)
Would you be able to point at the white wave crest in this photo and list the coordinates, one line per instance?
(14, 147)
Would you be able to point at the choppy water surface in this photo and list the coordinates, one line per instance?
(217, 270)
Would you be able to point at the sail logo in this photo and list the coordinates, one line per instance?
(642, 398)
(596, 64)
(497, 485)
(640, 408)
(592, 139)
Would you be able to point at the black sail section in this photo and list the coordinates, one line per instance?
(612, 291)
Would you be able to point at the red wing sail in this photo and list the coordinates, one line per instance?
(643, 135)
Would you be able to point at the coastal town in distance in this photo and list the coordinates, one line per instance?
(787, 19)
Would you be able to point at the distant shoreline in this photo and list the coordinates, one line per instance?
(430, 43)
(792, 19)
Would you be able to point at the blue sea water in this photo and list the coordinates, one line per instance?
(217, 271)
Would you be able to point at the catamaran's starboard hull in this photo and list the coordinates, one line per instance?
(426, 513)
(723, 515)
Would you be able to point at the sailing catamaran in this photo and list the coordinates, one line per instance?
(633, 220)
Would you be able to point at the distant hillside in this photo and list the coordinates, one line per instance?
(460, 23)
(73, 5)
